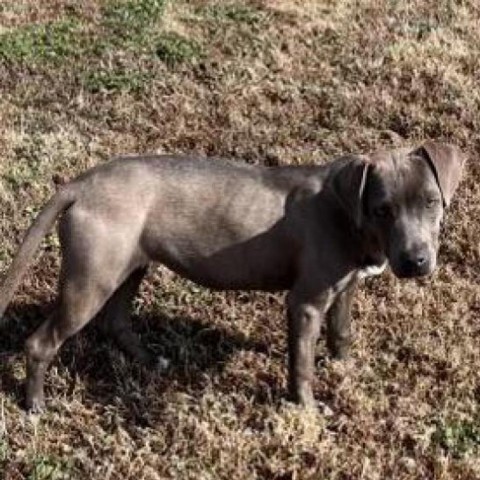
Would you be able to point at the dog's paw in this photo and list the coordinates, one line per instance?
(35, 407)
(324, 409)
(342, 355)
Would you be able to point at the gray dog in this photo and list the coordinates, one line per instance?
(312, 230)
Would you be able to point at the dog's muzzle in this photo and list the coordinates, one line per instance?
(416, 262)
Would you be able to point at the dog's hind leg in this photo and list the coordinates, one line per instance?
(91, 272)
(116, 321)
(80, 300)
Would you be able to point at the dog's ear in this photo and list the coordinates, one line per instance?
(348, 185)
(447, 163)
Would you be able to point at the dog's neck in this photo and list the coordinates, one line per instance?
(371, 251)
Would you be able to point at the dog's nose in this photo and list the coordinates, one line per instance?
(420, 260)
(414, 262)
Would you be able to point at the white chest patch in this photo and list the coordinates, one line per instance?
(371, 271)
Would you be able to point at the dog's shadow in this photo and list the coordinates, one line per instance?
(92, 367)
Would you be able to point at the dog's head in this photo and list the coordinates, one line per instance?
(399, 198)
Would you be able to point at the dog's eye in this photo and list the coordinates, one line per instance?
(382, 212)
(431, 202)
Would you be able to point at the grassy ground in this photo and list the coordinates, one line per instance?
(274, 82)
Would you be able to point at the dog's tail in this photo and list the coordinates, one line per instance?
(62, 200)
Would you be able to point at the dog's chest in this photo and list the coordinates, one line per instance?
(371, 271)
(342, 285)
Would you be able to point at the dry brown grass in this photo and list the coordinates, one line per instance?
(276, 82)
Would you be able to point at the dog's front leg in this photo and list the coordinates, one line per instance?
(339, 335)
(305, 316)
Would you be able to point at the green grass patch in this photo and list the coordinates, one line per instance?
(50, 468)
(20, 175)
(115, 81)
(131, 24)
(172, 48)
(458, 438)
(52, 42)
(3, 442)
(35, 154)
(131, 18)
(125, 25)
(25, 172)
(243, 25)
